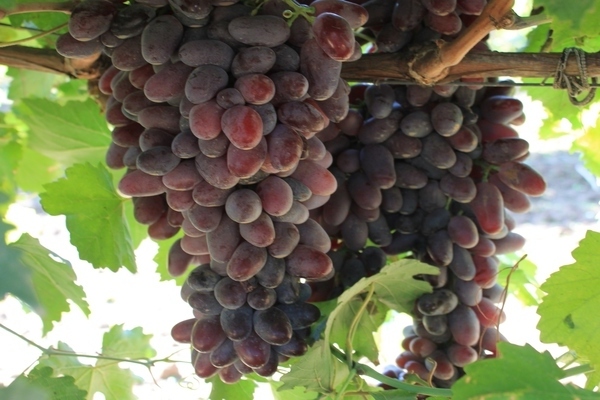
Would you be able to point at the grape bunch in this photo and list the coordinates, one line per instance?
(215, 107)
(288, 186)
(431, 171)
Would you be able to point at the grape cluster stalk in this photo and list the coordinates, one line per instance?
(287, 185)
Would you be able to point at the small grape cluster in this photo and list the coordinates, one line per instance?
(215, 106)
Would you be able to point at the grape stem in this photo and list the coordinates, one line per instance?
(34, 37)
(354, 325)
(57, 352)
(432, 65)
(58, 6)
(362, 369)
(580, 369)
(527, 22)
(394, 66)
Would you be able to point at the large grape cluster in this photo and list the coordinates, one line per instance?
(215, 106)
(234, 127)
(426, 171)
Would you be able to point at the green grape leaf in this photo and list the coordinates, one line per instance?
(368, 323)
(588, 144)
(572, 22)
(138, 231)
(30, 272)
(16, 279)
(26, 83)
(131, 344)
(75, 132)
(35, 170)
(394, 286)
(558, 106)
(573, 298)
(105, 376)
(519, 373)
(241, 390)
(395, 394)
(162, 257)
(73, 90)
(11, 153)
(61, 388)
(22, 389)
(95, 216)
(42, 20)
(318, 370)
(297, 393)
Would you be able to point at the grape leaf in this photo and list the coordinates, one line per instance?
(162, 257)
(138, 231)
(30, 272)
(22, 389)
(393, 286)
(73, 90)
(241, 390)
(572, 20)
(10, 155)
(95, 216)
(368, 323)
(42, 20)
(297, 393)
(588, 144)
(35, 170)
(75, 132)
(26, 83)
(519, 373)
(61, 388)
(395, 394)
(557, 106)
(105, 376)
(318, 370)
(573, 298)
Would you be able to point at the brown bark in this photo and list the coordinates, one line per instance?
(48, 60)
(433, 65)
(370, 68)
(381, 67)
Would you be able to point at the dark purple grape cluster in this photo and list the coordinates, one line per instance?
(215, 106)
(430, 171)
